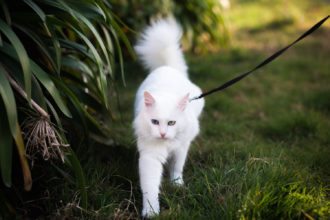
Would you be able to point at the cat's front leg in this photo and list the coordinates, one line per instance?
(177, 163)
(150, 169)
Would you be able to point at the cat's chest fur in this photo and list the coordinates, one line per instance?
(161, 149)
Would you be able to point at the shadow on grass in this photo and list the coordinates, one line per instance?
(289, 127)
(319, 100)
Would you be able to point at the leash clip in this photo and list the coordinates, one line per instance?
(194, 98)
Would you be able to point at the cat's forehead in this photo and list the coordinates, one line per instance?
(165, 108)
(165, 111)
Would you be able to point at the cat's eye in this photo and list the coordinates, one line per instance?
(154, 121)
(171, 123)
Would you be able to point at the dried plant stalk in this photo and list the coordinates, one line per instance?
(39, 134)
(41, 137)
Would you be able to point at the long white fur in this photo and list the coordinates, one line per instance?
(159, 47)
(165, 90)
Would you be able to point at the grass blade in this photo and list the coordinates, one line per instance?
(80, 177)
(72, 161)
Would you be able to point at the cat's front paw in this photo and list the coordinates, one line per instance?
(149, 212)
(178, 181)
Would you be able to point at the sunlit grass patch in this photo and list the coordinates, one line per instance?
(280, 199)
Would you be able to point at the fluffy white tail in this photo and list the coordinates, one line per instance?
(160, 46)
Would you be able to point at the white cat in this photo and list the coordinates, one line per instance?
(165, 121)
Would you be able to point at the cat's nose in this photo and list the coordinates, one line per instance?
(162, 134)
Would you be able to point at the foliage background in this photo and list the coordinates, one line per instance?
(203, 22)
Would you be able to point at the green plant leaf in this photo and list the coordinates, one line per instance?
(121, 22)
(24, 164)
(50, 86)
(43, 77)
(37, 93)
(87, 99)
(102, 77)
(89, 9)
(5, 11)
(120, 32)
(6, 147)
(75, 63)
(110, 47)
(40, 43)
(77, 78)
(22, 55)
(37, 9)
(123, 37)
(98, 38)
(76, 101)
(9, 101)
(76, 46)
(96, 55)
(102, 85)
(97, 58)
(56, 44)
(119, 55)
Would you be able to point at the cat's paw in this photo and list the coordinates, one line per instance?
(178, 181)
(149, 211)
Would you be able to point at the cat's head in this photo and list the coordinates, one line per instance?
(164, 117)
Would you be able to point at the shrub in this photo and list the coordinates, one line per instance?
(57, 59)
(203, 22)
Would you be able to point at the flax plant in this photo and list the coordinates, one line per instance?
(57, 62)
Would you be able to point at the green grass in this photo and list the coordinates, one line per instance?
(264, 147)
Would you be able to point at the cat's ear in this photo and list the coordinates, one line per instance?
(183, 102)
(148, 99)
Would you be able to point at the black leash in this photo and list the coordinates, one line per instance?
(268, 60)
